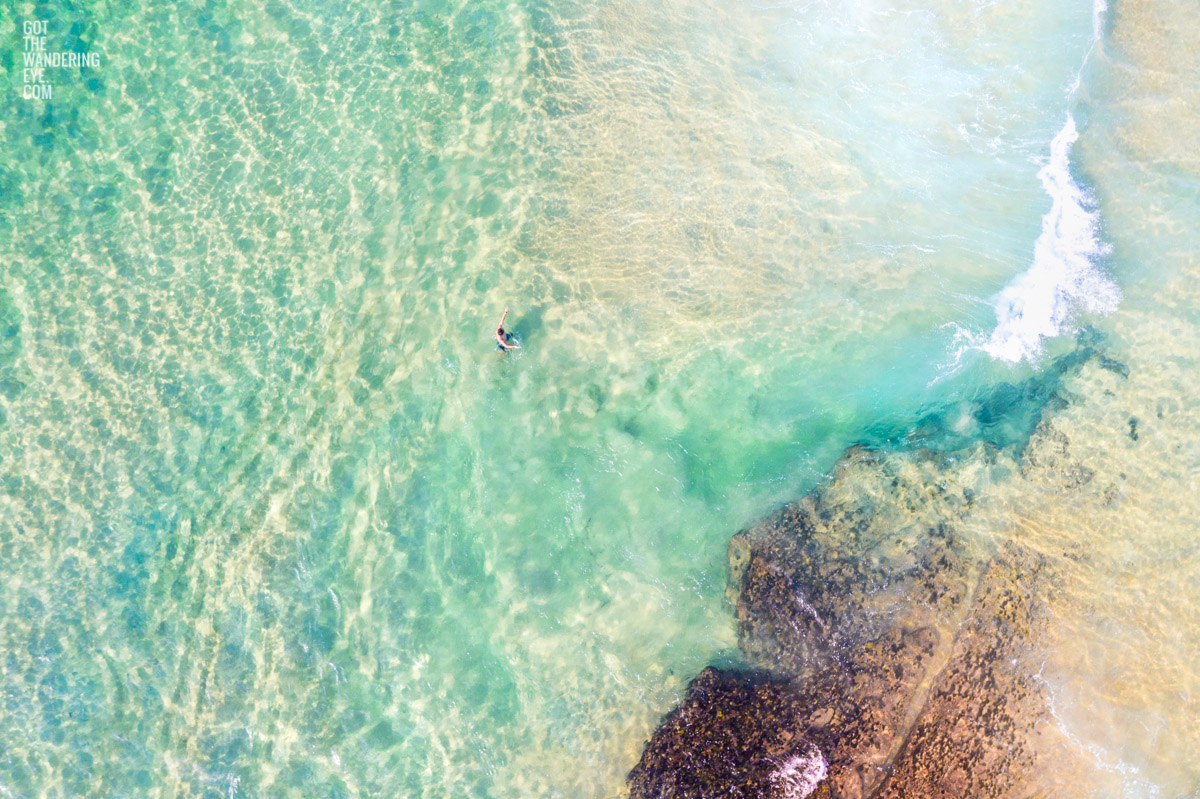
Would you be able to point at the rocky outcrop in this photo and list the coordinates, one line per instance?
(886, 649)
(977, 730)
(735, 735)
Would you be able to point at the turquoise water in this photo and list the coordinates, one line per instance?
(276, 519)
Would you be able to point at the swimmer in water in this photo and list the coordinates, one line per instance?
(503, 340)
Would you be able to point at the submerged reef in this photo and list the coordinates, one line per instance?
(887, 647)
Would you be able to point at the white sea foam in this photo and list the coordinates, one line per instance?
(800, 774)
(1099, 7)
(1064, 279)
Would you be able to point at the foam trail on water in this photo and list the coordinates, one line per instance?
(1064, 278)
(1098, 9)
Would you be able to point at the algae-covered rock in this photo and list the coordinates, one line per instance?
(737, 734)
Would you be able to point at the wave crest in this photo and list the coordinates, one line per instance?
(1064, 279)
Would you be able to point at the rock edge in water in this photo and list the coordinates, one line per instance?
(888, 651)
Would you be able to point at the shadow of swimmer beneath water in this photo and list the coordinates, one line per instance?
(504, 340)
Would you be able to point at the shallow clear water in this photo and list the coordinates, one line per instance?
(276, 519)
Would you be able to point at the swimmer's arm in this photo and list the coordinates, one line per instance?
(500, 338)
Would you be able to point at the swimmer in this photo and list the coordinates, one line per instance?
(503, 339)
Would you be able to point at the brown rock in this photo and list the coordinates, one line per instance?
(737, 734)
(891, 651)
